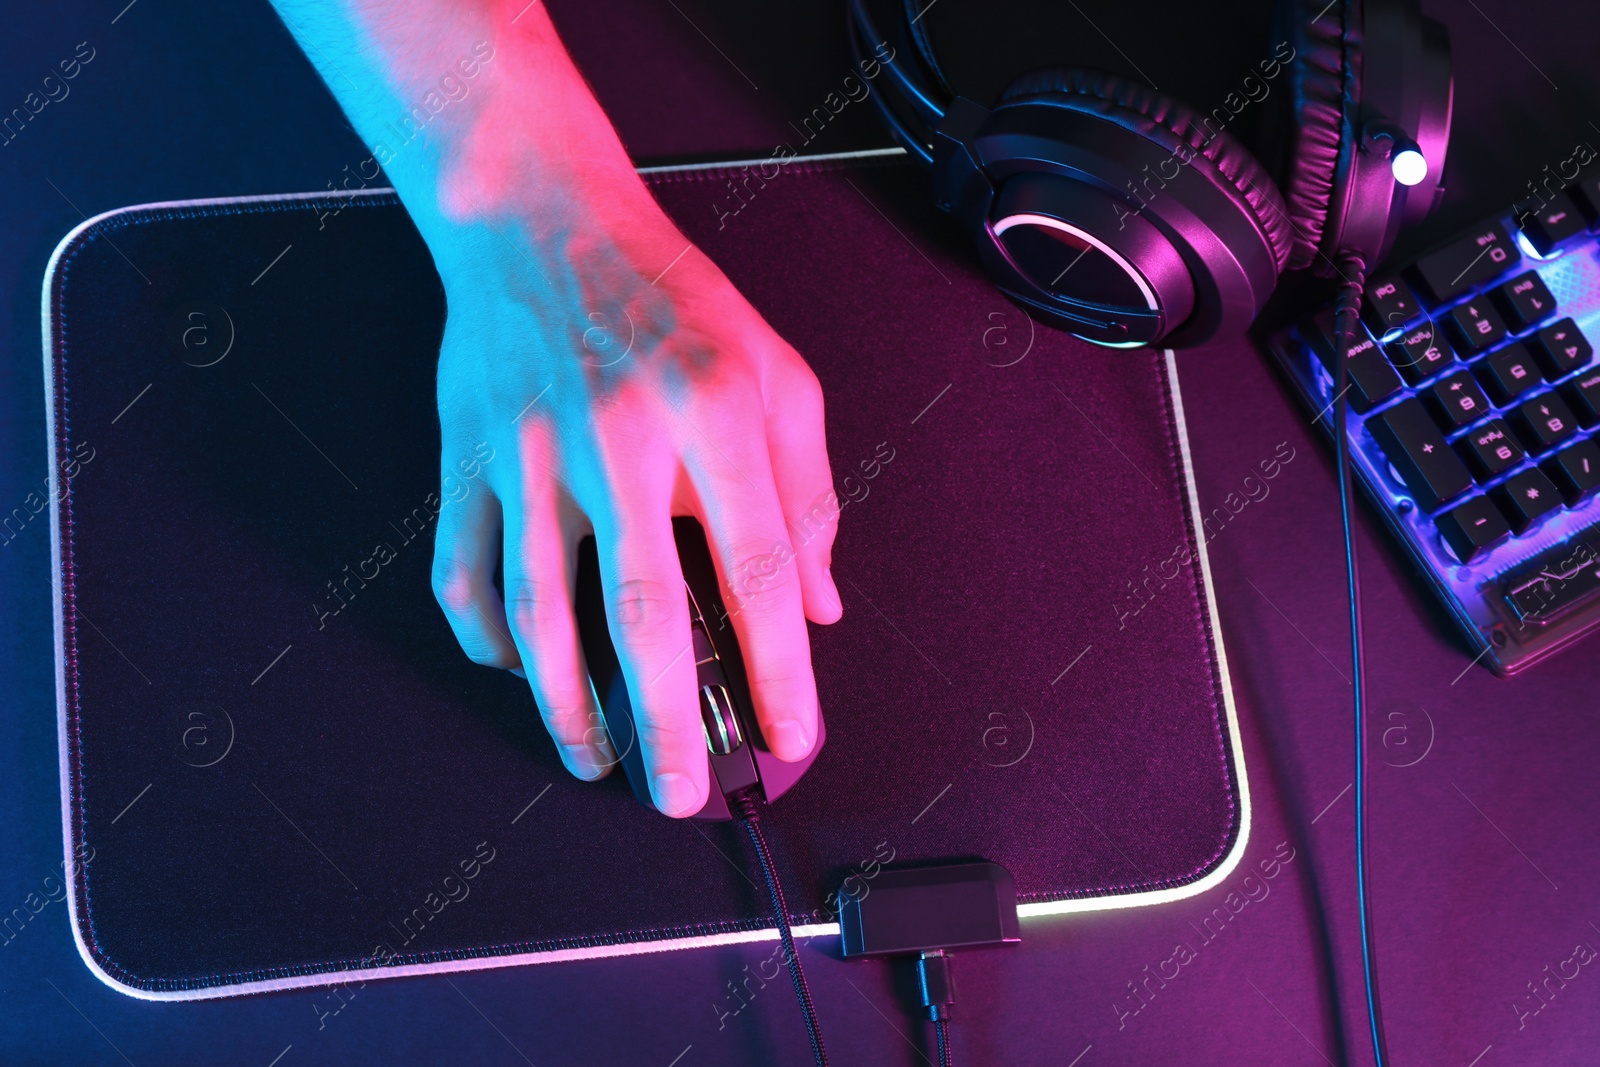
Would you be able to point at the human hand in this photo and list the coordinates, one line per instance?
(611, 398)
(598, 373)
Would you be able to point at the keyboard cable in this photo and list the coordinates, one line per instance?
(1353, 271)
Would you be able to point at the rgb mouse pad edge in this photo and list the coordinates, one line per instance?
(278, 765)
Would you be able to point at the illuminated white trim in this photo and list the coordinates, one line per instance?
(1111, 344)
(1049, 223)
(1236, 744)
(1027, 911)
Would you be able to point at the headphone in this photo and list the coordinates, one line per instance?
(1129, 218)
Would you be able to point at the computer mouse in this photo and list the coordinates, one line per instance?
(740, 761)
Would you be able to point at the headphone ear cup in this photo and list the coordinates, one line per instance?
(1314, 115)
(1193, 138)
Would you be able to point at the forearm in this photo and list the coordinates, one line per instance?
(485, 127)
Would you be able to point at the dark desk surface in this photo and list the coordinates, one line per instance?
(1485, 851)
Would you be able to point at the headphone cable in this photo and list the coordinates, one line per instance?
(1353, 272)
(745, 808)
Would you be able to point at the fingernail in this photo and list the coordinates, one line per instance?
(582, 761)
(675, 794)
(520, 673)
(789, 740)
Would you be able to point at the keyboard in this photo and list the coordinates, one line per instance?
(1474, 419)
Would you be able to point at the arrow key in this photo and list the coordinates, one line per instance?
(1562, 349)
(1456, 401)
(1477, 325)
(1548, 222)
(1543, 422)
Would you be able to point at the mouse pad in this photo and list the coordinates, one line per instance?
(278, 767)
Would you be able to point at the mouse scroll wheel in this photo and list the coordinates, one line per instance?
(721, 724)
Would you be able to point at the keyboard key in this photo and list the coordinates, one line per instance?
(1421, 353)
(1549, 223)
(1585, 192)
(1477, 324)
(1576, 470)
(1457, 401)
(1472, 527)
(1372, 379)
(1524, 498)
(1508, 373)
(1543, 422)
(1390, 304)
(1563, 349)
(1490, 450)
(1583, 393)
(1468, 262)
(1525, 300)
(1418, 451)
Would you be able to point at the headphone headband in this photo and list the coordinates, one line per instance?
(918, 86)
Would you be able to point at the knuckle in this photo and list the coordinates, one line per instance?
(737, 381)
(538, 609)
(664, 728)
(484, 654)
(647, 609)
(452, 585)
(814, 529)
(789, 689)
(621, 438)
(761, 581)
(568, 715)
(796, 388)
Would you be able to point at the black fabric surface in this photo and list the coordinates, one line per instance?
(370, 760)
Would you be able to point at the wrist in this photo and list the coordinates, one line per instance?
(545, 233)
(519, 153)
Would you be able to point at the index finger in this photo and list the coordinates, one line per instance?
(647, 612)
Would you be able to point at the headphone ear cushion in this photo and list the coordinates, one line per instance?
(1316, 95)
(1177, 128)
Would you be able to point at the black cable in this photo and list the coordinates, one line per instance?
(745, 808)
(938, 996)
(941, 1037)
(1354, 273)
